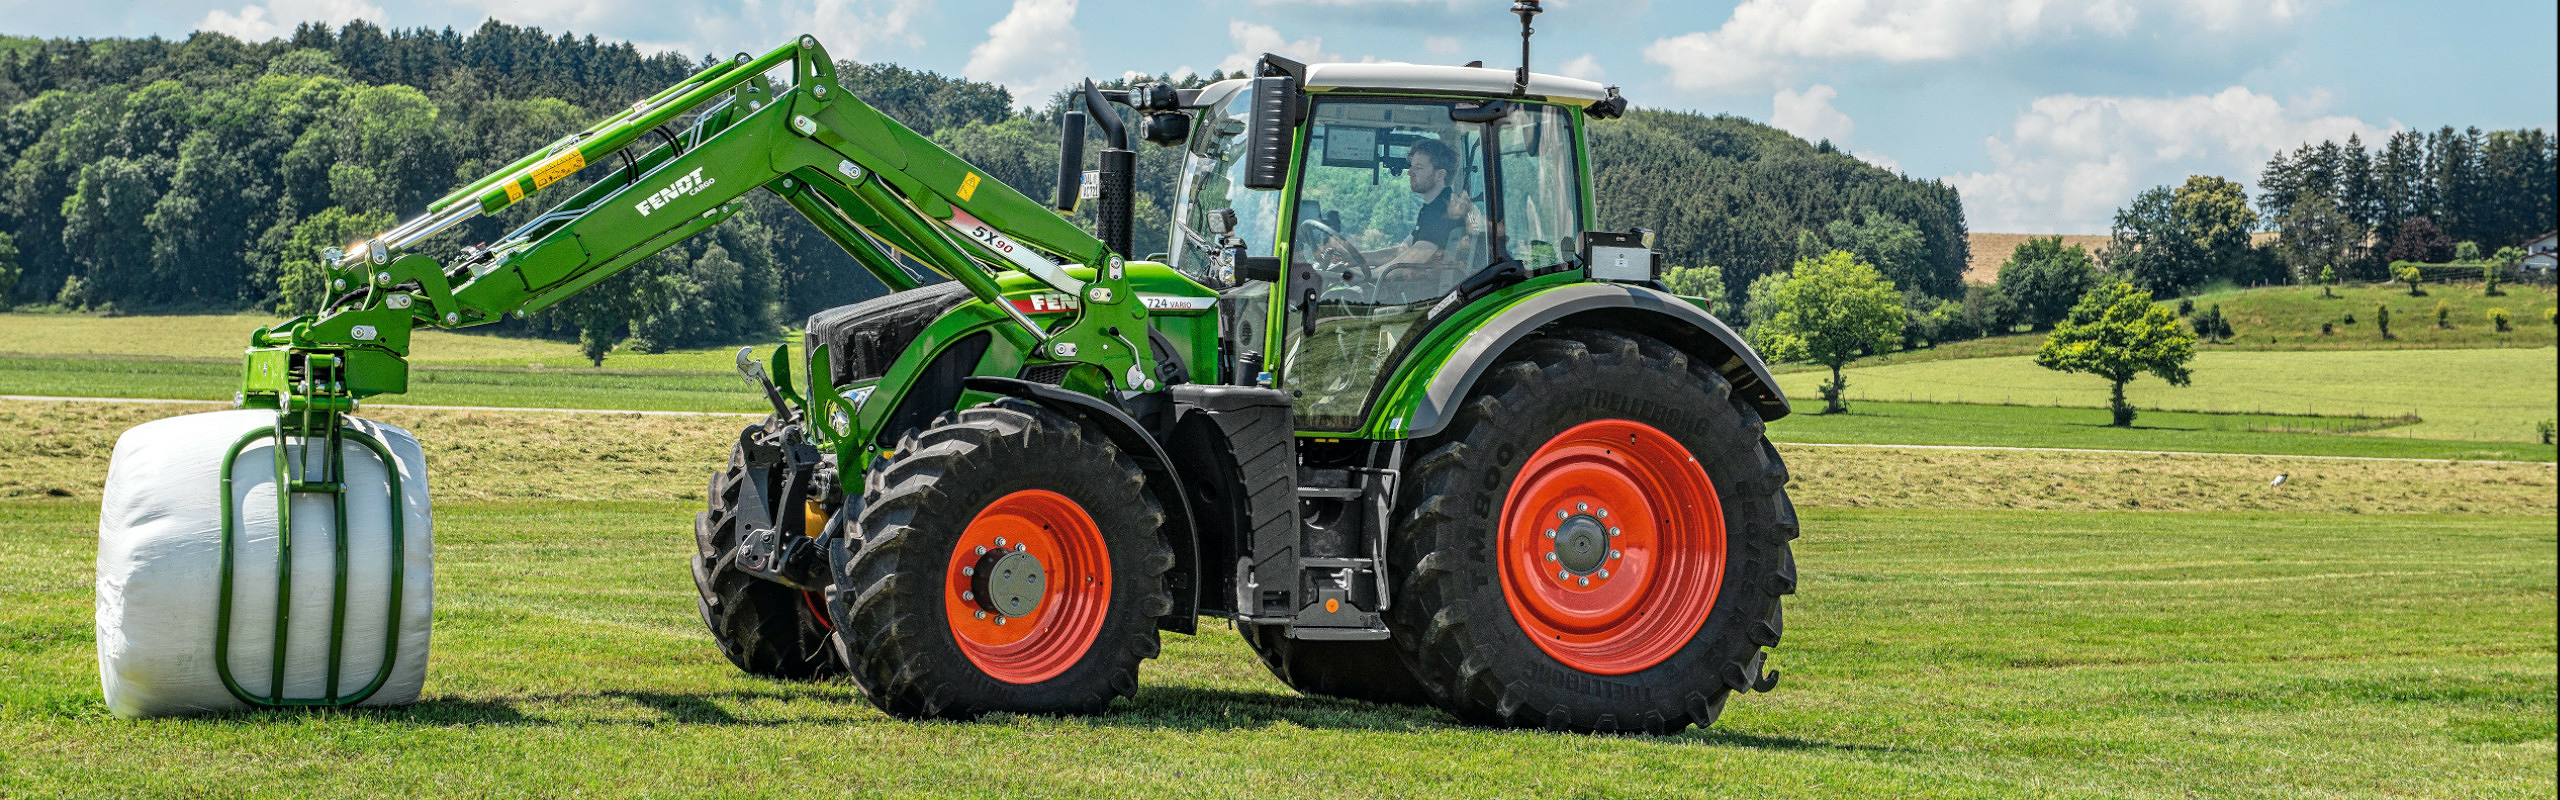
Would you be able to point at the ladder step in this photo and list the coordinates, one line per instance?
(1336, 563)
(1314, 492)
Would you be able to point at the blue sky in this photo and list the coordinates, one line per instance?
(2048, 114)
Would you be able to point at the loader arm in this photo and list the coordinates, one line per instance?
(870, 184)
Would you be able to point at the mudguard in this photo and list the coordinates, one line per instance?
(1612, 306)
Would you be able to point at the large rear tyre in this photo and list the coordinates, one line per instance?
(1011, 560)
(765, 628)
(1598, 542)
(1369, 671)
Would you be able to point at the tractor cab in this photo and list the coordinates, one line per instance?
(1374, 200)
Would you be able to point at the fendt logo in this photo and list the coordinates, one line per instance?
(691, 184)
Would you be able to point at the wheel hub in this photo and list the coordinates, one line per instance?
(1581, 544)
(1009, 582)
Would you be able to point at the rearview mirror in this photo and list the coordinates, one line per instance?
(1070, 159)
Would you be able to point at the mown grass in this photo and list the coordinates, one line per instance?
(2289, 317)
(2491, 394)
(1965, 424)
(1930, 653)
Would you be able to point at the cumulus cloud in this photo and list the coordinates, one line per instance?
(2069, 161)
(1770, 42)
(1809, 114)
(1033, 51)
(1583, 66)
(276, 18)
(1254, 39)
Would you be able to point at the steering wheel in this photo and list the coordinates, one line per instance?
(1347, 262)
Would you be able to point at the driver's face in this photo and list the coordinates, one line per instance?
(1424, 176)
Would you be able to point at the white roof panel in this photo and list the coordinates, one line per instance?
(1432, 77)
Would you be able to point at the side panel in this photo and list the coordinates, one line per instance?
(1429, 387)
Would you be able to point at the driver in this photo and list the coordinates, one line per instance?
(1444, 211)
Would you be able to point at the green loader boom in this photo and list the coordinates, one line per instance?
(869, 183)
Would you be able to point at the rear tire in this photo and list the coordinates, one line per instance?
(1057, 491)
(1373, 672)
(1505, 625)
(765, 628)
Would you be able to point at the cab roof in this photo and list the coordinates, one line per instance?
(1377, 76)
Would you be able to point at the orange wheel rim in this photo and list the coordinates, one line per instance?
(1028, 586)
(1612, 547)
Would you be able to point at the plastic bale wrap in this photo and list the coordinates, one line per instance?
(160, 557)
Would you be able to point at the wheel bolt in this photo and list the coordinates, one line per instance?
(1613, 555)
(1582, 506)
(1551, 533)
(1551, 556)
(1613, 531)
(1019, 547)
(999, 620)
(981, 614)
(1563, 575)
(1604, 513)
(1583, 581)
(968, 595)
(1560, 514)
(968, 571)
(982, 550)
(999, 542)
(1604, 572)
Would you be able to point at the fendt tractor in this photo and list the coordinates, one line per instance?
(1393, 406)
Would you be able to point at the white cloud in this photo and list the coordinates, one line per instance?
(1034, 51)
(1440, 45)
(2069, 160)
(1254, 39)
(1583, 66)
(1771, 42)
(276, 18)
(1809, 114)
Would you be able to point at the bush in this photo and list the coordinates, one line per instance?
(2382, 320)
(2547, 428)
(2502, 319)
(2186, 306)
(2408, 273)
(2444, 314)
(2551, 315)
(2466, 251)
(2325, 329)
(2351, 317)
(2489, 275)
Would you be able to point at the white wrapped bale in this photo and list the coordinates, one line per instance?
(160, 557)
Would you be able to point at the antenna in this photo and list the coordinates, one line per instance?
(1526, 9)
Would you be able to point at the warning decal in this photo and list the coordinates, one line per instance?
(968, 186)
(564, 166)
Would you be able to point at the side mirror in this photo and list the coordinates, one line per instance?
(1267, 132)
(1222, 221)
(1070, 159)
(1259, 268)
(1170, 129)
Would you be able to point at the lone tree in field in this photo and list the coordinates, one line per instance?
(2328, 280)
(1829, 311)
(2117, 334)
(2409, 274)
(2382, 319)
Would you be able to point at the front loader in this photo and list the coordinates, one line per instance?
(1392, 406)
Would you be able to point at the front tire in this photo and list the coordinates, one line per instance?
(1598, 542)
(1012, 560)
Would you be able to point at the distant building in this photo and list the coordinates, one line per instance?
(2540, 258)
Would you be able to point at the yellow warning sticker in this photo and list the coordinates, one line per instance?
(515, 192)
(565, 165)
(969, 186)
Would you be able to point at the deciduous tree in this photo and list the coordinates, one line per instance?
(2117, 333)
(2043, 278)
(1830, 311)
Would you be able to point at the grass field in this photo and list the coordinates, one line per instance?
(2493, 394)
(2289, 317)
(1879, 422)
(1970, 624)
(221, 337)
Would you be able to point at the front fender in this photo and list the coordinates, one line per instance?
(1608, 306)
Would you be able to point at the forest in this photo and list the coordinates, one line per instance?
(151, 175)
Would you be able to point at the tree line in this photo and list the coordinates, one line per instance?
(203, 174)
(2412, 199)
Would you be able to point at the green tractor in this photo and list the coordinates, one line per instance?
(1394, 407)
